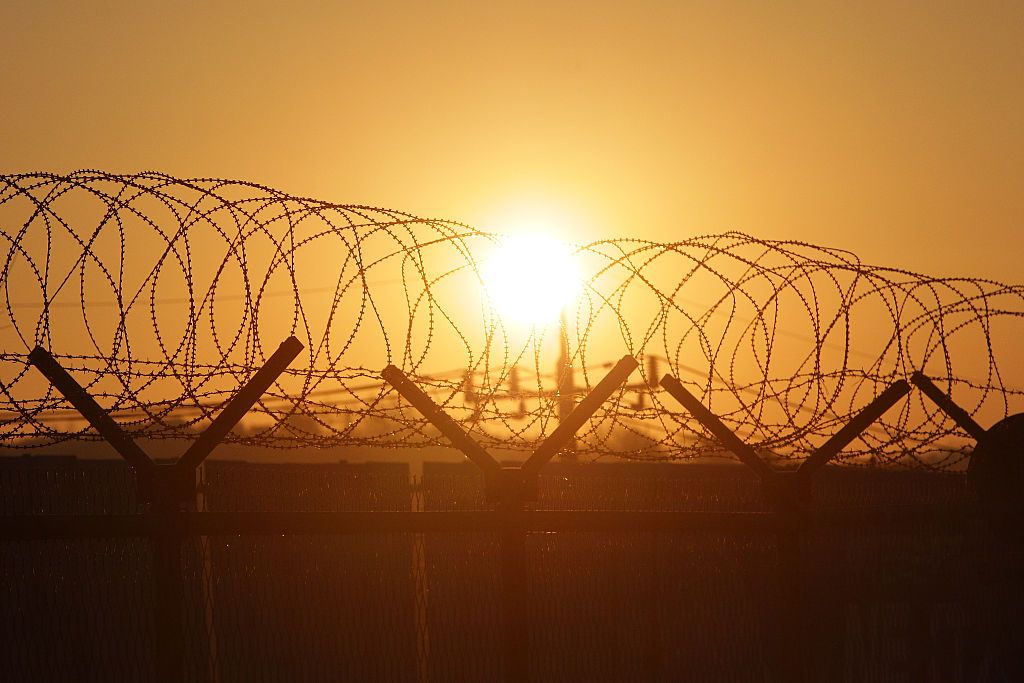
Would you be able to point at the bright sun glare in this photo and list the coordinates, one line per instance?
(531, 278)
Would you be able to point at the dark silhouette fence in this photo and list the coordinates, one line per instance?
(683, 591)
(728, 573)
(162, 294)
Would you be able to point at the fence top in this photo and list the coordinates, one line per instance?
(709, 309)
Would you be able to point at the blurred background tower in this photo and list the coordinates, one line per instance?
(566, 385)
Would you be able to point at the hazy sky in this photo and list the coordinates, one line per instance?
(891, 129)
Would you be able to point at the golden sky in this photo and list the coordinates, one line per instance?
(891, 129)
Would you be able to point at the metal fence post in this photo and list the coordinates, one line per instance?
(515, 592)
(510, 488)
(811, 639)
(788, 496)
(170, 489)
(420, 587)
(169, 589)
(994, 475)
(781, 496)
(206, 583)
(788, 501)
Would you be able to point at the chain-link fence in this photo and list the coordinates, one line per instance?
(648, 573)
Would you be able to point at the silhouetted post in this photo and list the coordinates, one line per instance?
(515, 592)
(170, 599)
(169, 490)
(206, 582)
(960, 416)
(509, 489)
(419, 573)
(820, 633)
(995, 476)
(788, 494)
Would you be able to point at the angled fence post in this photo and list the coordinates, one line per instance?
(788, 496)
(509, 488)
(984, 447)
(733, 443)
(960, 416)
(78, 397)
(994, 471)
(166, 560)
(995, 476)
(811, 618)
(169, 490)
(783, 657)
(854, 428)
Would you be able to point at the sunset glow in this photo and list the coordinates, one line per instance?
(512, 341)
(530, 278)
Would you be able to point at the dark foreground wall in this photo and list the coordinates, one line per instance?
(901, 597)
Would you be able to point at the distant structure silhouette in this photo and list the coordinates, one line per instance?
(162, 295)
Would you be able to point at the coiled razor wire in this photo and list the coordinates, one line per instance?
(163, 295)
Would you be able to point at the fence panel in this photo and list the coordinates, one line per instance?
(929, 590)
(77, 610)
(311, 607)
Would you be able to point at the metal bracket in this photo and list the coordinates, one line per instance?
(511, 485)
(793, 485)
(166, 486)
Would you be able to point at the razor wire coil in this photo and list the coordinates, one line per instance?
(162, 295)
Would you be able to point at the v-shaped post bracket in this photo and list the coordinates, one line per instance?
(960, 416)
(818, 459)
(995, 471)
(511, 485)
(173, 484)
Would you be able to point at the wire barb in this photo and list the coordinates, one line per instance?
(163, 295)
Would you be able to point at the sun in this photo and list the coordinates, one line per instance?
(531, 278)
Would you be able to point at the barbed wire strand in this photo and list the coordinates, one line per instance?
(163, 295)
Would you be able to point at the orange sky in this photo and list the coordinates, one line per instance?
(891, 129)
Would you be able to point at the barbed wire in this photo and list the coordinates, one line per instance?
(163, 295)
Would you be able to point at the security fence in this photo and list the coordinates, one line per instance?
(660, 572)
(197, 570)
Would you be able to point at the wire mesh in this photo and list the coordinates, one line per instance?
(309, 608)
(283, 487)
(77, 610)
(47, 486)
(684, 605)
(883, 599)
